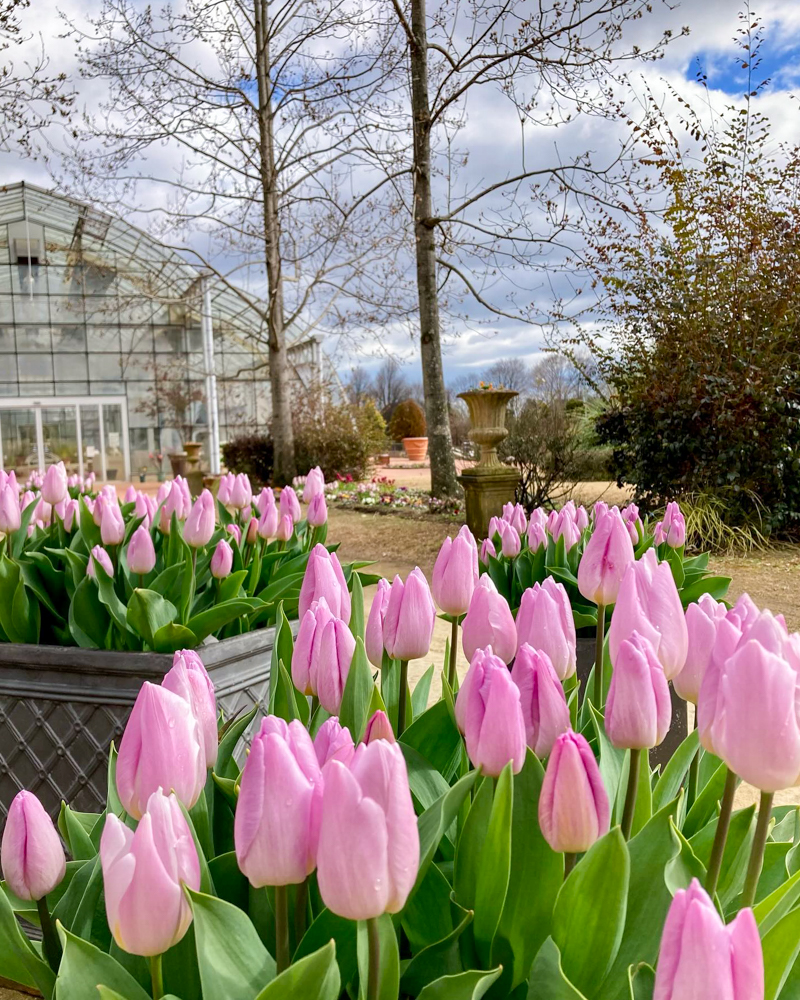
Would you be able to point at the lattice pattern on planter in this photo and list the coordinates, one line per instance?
(57, 749)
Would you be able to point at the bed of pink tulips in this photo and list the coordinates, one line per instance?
(508, 840)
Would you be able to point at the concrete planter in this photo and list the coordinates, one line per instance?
(678, 729)
(60, 708)
(416, 449)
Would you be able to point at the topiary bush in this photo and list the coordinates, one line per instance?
(251, 454)
(337, 438)
(408, 421)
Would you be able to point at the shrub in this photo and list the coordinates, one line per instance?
(541, 442)
(337, 438)
(251, 454)
(372, 427)
(408, 421)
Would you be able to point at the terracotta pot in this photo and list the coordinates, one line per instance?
(384, 460)
(416, 449)
(487, 414)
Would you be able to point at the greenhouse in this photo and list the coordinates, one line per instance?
(116, 350)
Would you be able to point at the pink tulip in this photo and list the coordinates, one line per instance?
(514, 514)
(144, 873)
(224, 488)
(333, 742)
(266, 499)
(268, 522)
(69, 515)
(674, 526)
(162, 747)
(702, 619)
(174, 504)
(222, 560)
(495, 531)
(638, 710)
(141, 553)
(607, 555)
(252, 531)
(489, 713)
(334, 653)
(489, 622)
(99, 557)
(378, 728)
(305, 656)
(368, 845)
(9, 510)
(573, 804)
(537, 536)
(189, 678)
(545, 622)
(314, 485)
(745, 609)
(186, 496)
(276, 827)
(509, 540)
(701, 956)
(28, 498)
(289, 504)
(648, 603)
(317, 513)
(145, 508)
(564, 527)
(200, 523)
(538, 516)
(241, 492)
(756, 727)
(552, 518)
(31, 853)
(487, 549)
(235, 532)
(373, 634)
(54, 486)
(455, 573)
(163, 492)
(324, 578)
(130, 494)
(544, 706)
(581, 519)
(726, 642)
(285, 528)
(410, 618)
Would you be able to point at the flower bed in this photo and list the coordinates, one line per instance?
(509, 840)
(382, 495)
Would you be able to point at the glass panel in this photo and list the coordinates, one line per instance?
(169, 339)
(33, 338)
(101, 338)
(33, 310)
(90, 439)
(72, 388)
(112, 426)
(60, 436)
(104, 366)
(69, 338)
(23, 277)
(20, 452)
(66, 308)
(7, 339)
(136, 338)
(6, 309)
(9, 389)
(70, 367)
(35, 366)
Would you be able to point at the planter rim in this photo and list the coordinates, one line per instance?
(473, 393)
(415, 438)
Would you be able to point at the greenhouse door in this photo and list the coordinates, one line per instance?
(86, 434)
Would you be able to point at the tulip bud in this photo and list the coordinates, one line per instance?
(317, 513)
(54, 486)
(537, 536)
(538, 516)
(224, 488)
(564, 527)
(31, 853)
(573, 803)
(487, 549)
(410, 617)
(99, 557)
(606, 557)
(200, 523)
(756, 727)
(638, 710)
(144, 508)
(252, 531)
(161, 748)
(514, 514)
(173, 504)
(334, 654)
(266, 499)
(674, 526)
(373, 634)
(495, 530)
(455, 573)
(222, 560)
(43, 513)
(581, 519)
(305, 655)
(268, 522)
(702, 619)
(314, 485)
(333, 742)
(289, 504)
(324, 578)
(285, 528)
(189, 678)
(378, 728)
(241, 492)
(545, 622)
(489, 622)
(9, 510)
(368, 852)
(70, 512)
(235, 532)
(648, 603)
(702, 957)
(489, 709)
(509, 540)
(141, 554)
(28, 498)
(144, 873)
(544, 706)
(727, 640)
(130, 494)
(276, 832)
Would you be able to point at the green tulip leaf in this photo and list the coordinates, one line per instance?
(777, 904)
(19, 961)
(469, 850)
(76, 834)
(435, 736)
(83, 966)
(589, 915)
(613, 767)
(425, 782)
(328, 926)
(781, 947)
(684, 866)
(88, 618)
(465, 986)
(422, 689)
(108, 596)
(232, 733)
(547, 980)
(671, 778)
(171, 637)
(495, 866)
(357, 606)
(148, 612)
(315, 977)
(442, 957)
(232, 959)
(706, 803)
(641, 981)
(210, 621)
(389, 975)
(357, 693)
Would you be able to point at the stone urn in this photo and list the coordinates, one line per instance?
(192, 449)
(416, 449)
(489, 484)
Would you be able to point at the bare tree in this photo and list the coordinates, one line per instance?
(555, 378)
(30, 97)
(265, 112)
(553, 60)
(390, 387)
(512, 373)
(359, 386)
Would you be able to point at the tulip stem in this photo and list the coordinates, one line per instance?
(569, 863)
(157, 976)
(401, 701)
(598, 656)
(724, 821)
(373, 976)
(757, 850)
(630, 795)
(281, 928)
(51, 946)
(451, 668)
(300, 906)
(141, 581)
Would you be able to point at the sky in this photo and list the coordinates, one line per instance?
(491, 136)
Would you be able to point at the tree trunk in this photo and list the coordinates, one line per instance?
(440, 445)
(280, 388)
